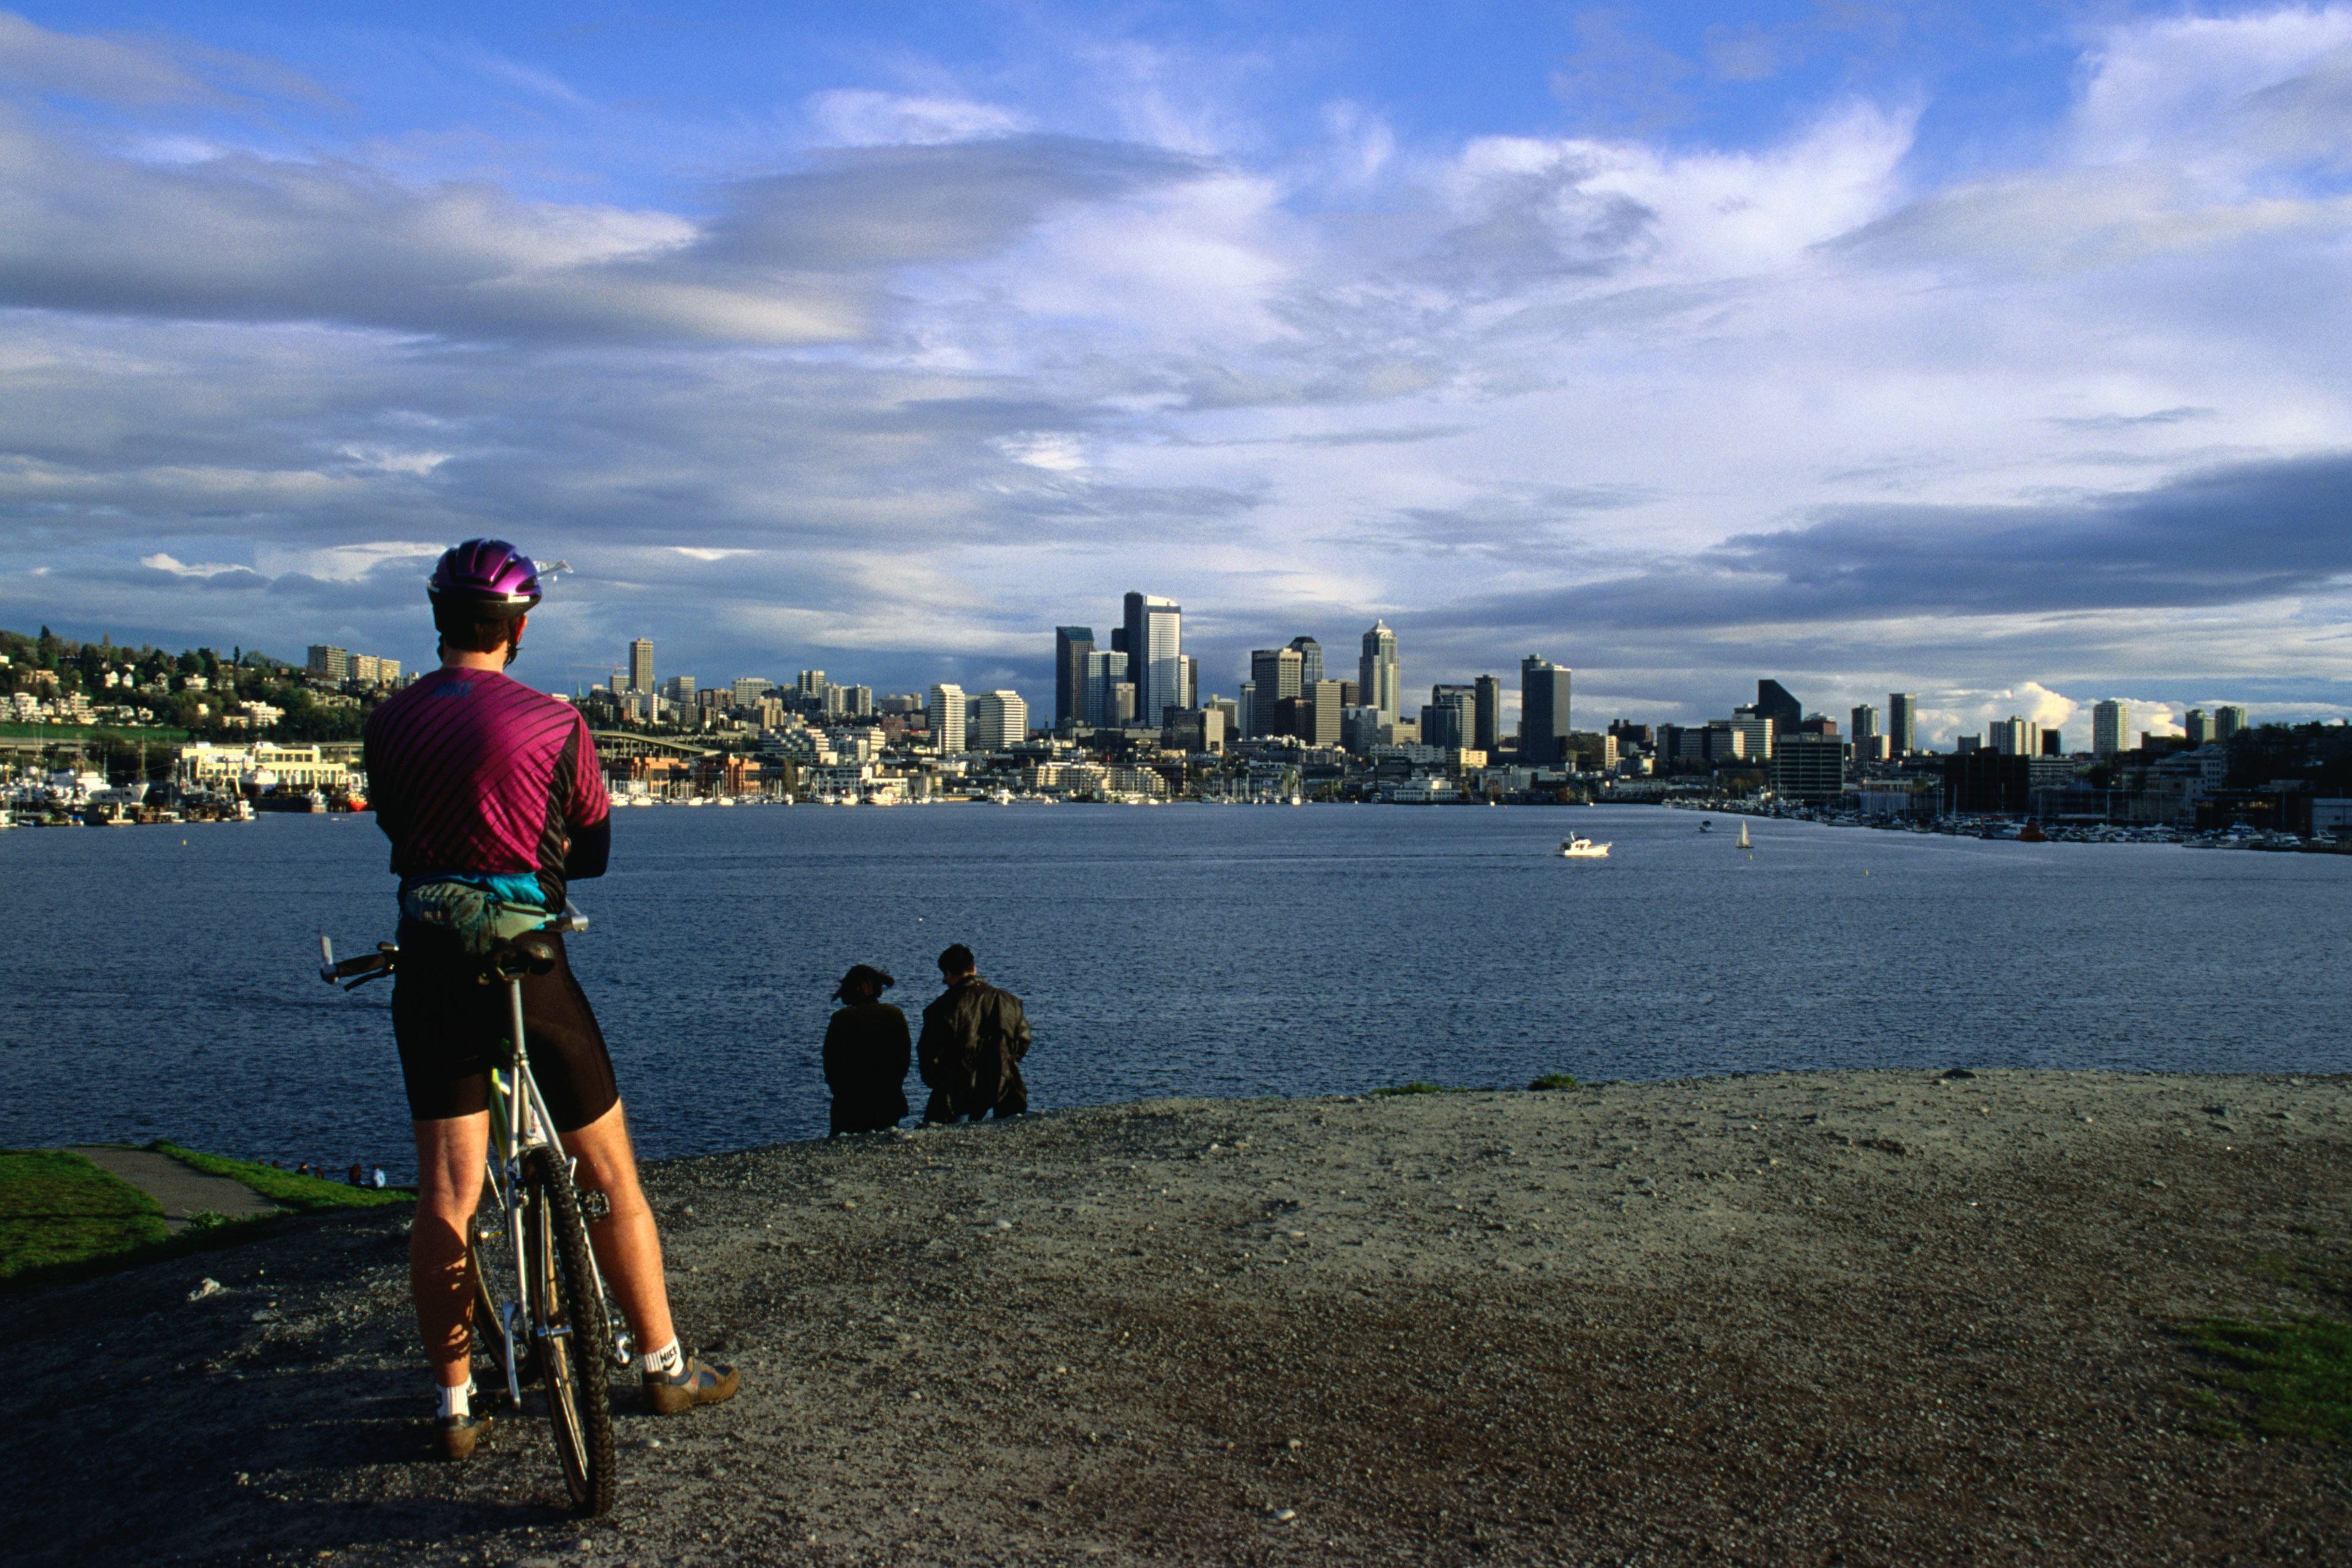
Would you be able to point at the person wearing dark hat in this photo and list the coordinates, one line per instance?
(974, 1036)
(866, 1051)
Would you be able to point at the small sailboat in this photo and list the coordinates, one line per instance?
(1743, 843)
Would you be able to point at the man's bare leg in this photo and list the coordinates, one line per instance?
(448, 1184)
(628, 1247)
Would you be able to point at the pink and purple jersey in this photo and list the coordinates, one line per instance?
(470, 771)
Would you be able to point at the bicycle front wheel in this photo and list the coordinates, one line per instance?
(570, 1328)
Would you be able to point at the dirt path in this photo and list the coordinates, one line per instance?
(182, 1189)
(1870, 1317)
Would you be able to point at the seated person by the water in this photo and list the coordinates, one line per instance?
(974, 1036)
(867, 1053)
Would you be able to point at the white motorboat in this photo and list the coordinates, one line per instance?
(1584, 849)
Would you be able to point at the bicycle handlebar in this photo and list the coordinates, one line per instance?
(356, 972)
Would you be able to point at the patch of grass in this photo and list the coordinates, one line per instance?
(2291, 1372)
(1555, 1080)
(2295, 1370)
(306, 1194)
(58, 1210)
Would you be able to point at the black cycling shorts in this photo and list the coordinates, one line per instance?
(450, 1026)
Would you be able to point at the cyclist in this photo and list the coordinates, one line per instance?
(491, 795)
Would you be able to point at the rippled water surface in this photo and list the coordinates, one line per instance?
(160, 981)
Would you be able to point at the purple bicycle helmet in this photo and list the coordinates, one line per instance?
(487, 571)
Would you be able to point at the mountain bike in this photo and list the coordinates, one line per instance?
(540, 1312)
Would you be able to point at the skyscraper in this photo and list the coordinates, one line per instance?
(2110, 729)
(1155, 655)
(999, 720)
(947, 713)
(1543, 712)
(1099, 701)
(1276, 675)
(2199, 728)
(1071, 646)
(641, 664)
(1487, 732)
(1865, 723)
(1451, 718)
(1310, 661)
(1903, 721)
(1773, 701)
(1378, 673)
(2228, 720)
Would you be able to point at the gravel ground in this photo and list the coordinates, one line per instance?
(1854, 1318)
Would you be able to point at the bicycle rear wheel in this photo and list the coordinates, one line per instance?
(573, 1335)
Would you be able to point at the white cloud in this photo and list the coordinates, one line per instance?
(854, 117)
(162, 562)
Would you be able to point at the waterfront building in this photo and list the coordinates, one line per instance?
(1311, 661)
(2110, 729)
(947, 715)
(1809, 767)
(1903, 722)
(2228, 720)
(1154, 646)
(1072, 644)
(997, 721)
(1543, 711)
(1379, 674)
(2199, 728)
(641, 664)
(1489, 715)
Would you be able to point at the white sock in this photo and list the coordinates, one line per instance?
(458, 1401)
(667, 1360)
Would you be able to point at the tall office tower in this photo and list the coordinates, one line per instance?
(1071, 646)
(1310, 661)
(679, 688)
(1155, 655)
(641, 664)
(2053, 743)
(2008, 736)
(749, 688)
(1191, 697)
(1543, 712)
(1486, 730)
(1903, 722)
(1245, 710)
(1380, 676)
(2228, 720)
(947, 714)
(812, 687)
(1000, 721)
(2199, 727)
(857, 701)
(1277, 675)
(1773, 703)
(1865, 725)
(1321, 714)
(1756, 734)
(1098, 702)
(1450, 720)
(2110, 729)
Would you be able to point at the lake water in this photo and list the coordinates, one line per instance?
(161, 981)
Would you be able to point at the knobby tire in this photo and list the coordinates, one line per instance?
(575, 1363)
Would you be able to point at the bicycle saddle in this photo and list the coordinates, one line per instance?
(530, 954)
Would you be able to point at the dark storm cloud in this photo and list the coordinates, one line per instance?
(2228, 536)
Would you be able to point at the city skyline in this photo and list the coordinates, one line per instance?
(1986, 363)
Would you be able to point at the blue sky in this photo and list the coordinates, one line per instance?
(1992, 352)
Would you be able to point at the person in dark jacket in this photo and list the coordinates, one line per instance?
(865, 1055)
(974, 1036)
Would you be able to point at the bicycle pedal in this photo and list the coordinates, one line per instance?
(595, 1205)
